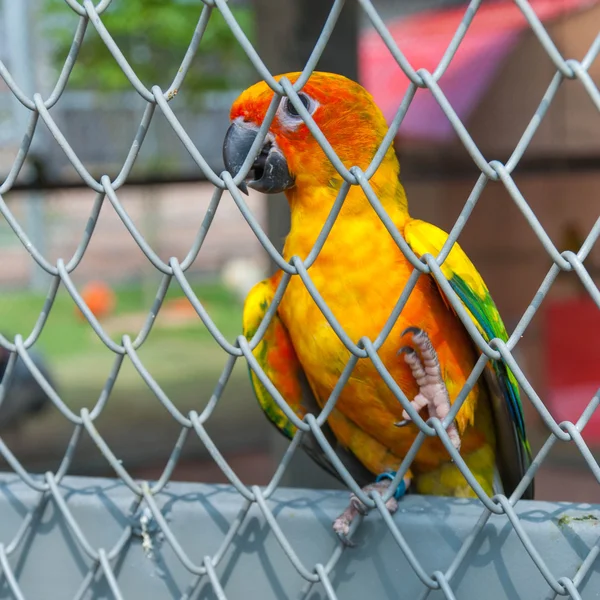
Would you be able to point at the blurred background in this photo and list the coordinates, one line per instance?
(495, 83)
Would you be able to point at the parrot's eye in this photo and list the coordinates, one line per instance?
(290, 109)
(289, 116)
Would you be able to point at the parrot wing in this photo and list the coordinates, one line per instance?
(514, 453)
(277, 357)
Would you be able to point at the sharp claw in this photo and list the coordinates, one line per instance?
(346, 541)
(341, 526)
(413, 330)
(403, 423)
(361, 509)
(243, 187)
(406, 350)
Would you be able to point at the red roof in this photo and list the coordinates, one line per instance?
(424, 37)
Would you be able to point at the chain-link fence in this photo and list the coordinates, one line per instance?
(63, 537)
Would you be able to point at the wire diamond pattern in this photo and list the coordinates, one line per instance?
(144, 496)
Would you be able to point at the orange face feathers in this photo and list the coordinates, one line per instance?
(343, 110)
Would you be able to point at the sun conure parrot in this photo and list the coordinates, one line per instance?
(360, 273)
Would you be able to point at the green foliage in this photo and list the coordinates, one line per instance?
(154, 36)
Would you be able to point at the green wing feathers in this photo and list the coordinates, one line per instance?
(485, 315)
(276, 356)
(469, 286)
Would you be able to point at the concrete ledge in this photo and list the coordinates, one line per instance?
(51, 557)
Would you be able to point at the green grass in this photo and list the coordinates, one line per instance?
(174, 351)
(182, 357)
(65, 335)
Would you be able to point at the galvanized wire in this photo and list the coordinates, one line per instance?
(103, 559)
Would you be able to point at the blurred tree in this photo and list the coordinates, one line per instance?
(154, 36)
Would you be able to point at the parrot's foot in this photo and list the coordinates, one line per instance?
(432, 390)
(342, 524)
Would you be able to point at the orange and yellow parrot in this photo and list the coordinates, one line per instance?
(361, 273)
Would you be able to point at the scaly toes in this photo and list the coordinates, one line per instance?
(433, 393)
(342, 524)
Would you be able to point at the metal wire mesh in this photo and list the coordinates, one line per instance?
(147, 499)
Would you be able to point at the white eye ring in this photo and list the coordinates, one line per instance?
(288, 115)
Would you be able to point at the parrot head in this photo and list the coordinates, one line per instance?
(291, 159)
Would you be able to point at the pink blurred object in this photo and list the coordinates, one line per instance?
(424, 37)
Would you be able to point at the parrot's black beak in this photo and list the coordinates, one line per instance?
(269, 173)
